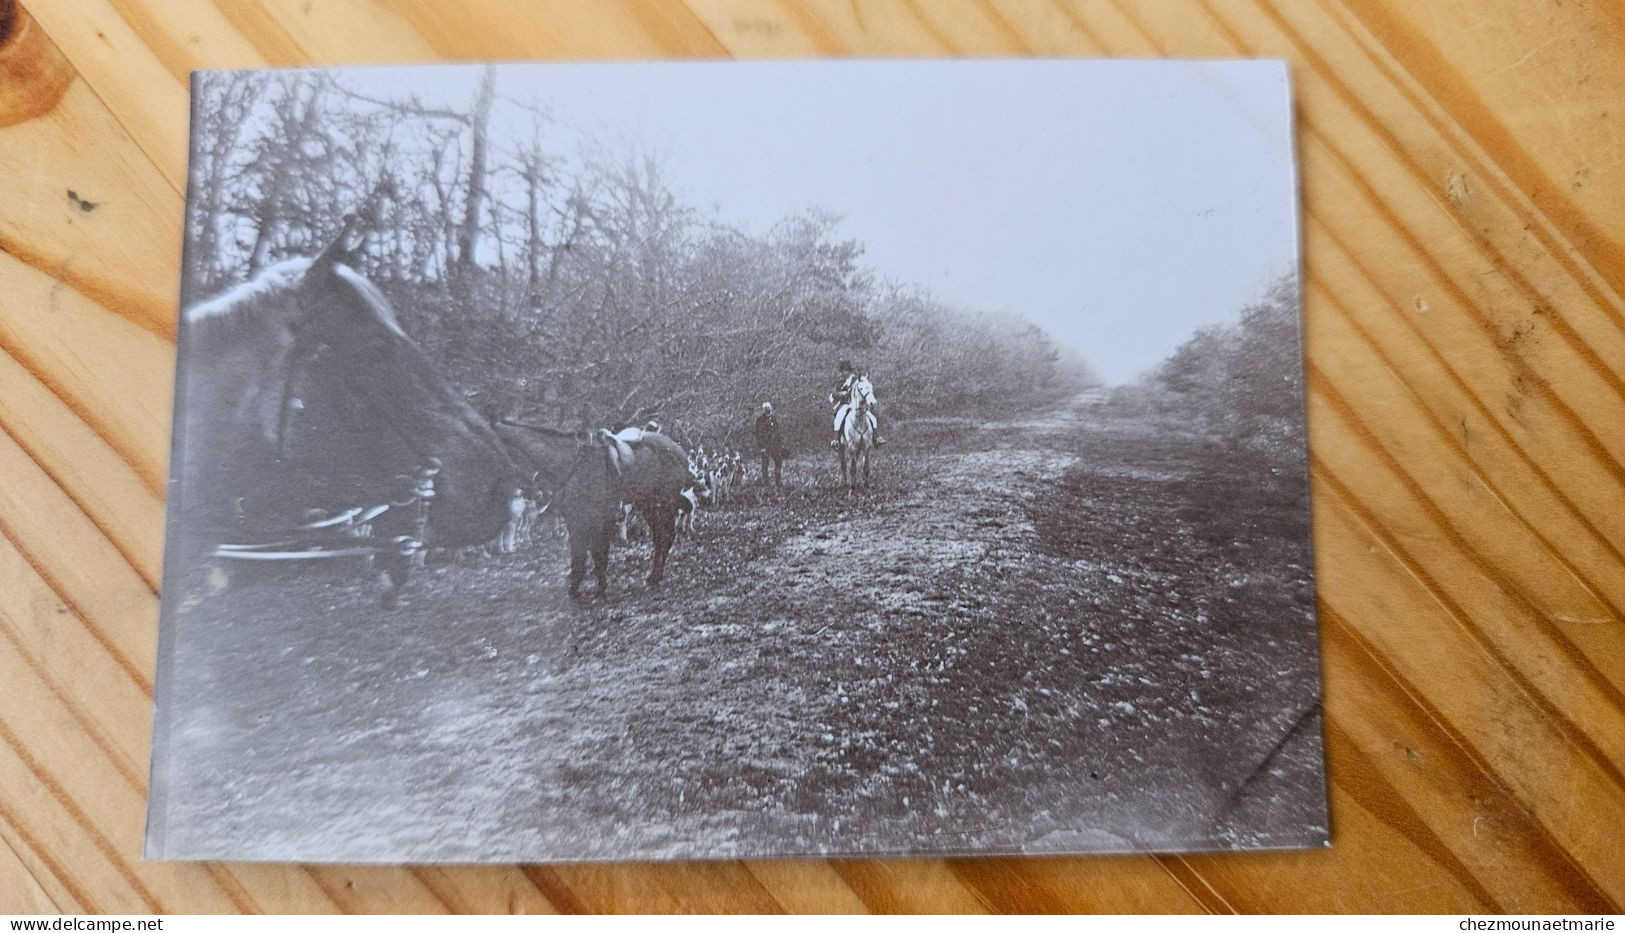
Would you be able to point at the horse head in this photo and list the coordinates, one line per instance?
(863, 393)
(301, 389)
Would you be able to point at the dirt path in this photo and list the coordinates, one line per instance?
(1065, 632)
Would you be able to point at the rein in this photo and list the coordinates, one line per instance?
(858, 408)
(570, 474)
(297, 365)
(354, 527)
(582, 452)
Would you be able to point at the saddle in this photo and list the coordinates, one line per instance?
(874, 424)
(619, 446)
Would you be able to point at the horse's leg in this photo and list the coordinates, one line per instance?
(397, 568)
(663, 530)
(578, 561)
(600, 555)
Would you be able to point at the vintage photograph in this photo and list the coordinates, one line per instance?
(730, 460)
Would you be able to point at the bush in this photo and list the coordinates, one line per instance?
(1243, 381)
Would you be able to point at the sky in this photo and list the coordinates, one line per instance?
(1118, 204)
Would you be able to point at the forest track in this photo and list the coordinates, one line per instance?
(1041, 633)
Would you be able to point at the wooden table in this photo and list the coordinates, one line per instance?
(1463, 169)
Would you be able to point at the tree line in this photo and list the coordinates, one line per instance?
(578, 288)
(1240, 381)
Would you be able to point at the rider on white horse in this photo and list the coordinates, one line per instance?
(841, 398)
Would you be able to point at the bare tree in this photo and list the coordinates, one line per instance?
(469, 232)
(223, 104)
(284, 155)
(601, 294)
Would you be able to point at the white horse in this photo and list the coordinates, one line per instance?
(856, 419)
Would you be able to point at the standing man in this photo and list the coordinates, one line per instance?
(771, 444)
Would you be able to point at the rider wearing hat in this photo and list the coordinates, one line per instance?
(845, 375)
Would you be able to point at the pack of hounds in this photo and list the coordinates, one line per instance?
(713, 475)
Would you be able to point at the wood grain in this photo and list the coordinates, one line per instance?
(1464, 202)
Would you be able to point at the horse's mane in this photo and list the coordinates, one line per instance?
(370, 294)
(252, 306)
(537, 428)
(274, 279)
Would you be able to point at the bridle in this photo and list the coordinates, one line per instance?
(862, 396)
(570, 474)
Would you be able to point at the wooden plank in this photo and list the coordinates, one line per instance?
(641, 887)
(495, 889)
(1115, 884)
(1542, 113)
(1509, 725)
(94, 215)
(909, 886)
(374, 889)
(806, 887)
(20, 891)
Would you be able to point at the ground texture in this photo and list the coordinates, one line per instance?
(1075, 631)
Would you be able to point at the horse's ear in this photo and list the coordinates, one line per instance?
(337, 251)
(352, 235)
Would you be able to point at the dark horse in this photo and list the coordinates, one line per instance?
(586, 479)
(311, 425)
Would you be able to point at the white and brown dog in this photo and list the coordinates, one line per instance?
(686, 507)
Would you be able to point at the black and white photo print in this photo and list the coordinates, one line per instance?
(720, 460)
